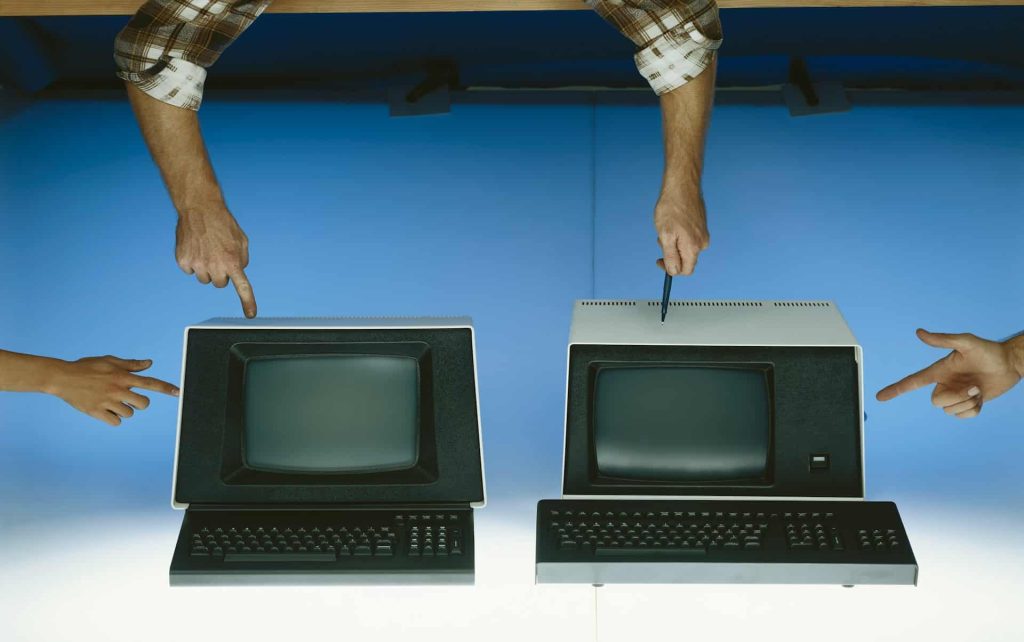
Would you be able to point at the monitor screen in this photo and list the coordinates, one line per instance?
(331, 413)
(682, 423)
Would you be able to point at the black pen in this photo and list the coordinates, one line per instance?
(665, 291)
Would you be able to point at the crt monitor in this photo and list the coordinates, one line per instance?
(329, 411)
(731, 398)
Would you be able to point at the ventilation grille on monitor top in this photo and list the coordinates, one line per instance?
(709, 304)
(609, 303)
(802, 304)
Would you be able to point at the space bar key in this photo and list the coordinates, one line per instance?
(284, 556)
(609, 551)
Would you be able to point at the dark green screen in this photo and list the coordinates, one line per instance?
(331, 413)
(682, 423)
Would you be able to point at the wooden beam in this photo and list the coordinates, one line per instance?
(128, 7)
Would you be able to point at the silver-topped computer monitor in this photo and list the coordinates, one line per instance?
(723, 399)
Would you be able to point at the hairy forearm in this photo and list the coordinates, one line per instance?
(28, 373)
(686, 113)
(176, 143)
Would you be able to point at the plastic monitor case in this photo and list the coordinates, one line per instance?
(807, 354)
(267, 430)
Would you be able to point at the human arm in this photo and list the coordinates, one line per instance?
(976, 371)
(676, 43)
(679, 216)
(162, 55)
(101, 387)
(208, 240)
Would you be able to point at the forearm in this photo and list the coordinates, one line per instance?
(686, 114)
(1015, 353)
(176, 144)
(28, 373)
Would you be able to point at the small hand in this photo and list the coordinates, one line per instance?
(101, 387)
(976, 371)
(682, 232)
(212, 246)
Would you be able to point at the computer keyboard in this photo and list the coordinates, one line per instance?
(710, 541)
(392, 546)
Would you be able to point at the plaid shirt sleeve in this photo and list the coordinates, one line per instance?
(165, 48)
(676, 39)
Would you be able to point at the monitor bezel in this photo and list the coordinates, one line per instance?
(237, 470)
(579, 466)
(199, 478)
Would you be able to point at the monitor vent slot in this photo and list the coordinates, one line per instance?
(802, 304)
(709, 304)
(608, 303)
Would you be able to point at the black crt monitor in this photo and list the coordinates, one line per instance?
(726, 399)
(329, 412)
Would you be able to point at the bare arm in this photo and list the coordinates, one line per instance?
(209, 242)
(676, 43)
(974, 372)
(101, 387)
(679, 215)
(162, 54)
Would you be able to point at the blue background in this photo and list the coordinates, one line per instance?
(904, 216)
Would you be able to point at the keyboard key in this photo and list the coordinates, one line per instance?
(278, 557)
(609, 551)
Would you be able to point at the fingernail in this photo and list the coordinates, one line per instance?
(973, 391)
(176, 392)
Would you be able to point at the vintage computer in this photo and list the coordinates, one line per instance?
(317, 451)
(723, 446)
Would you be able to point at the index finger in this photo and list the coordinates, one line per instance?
(154, 384)
(911, 382)
(245, 293)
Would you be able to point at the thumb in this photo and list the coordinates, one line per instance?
(943, 340)
(132, 365)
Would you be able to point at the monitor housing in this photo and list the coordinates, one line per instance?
(765, 401)
(405, 390)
